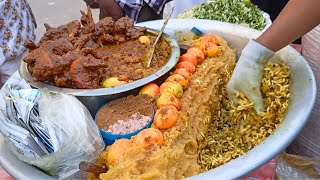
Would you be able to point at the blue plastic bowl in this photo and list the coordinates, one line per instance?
(109, 138)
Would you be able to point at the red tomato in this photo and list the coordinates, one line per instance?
(188, 57)
(186, 65)
(197, 53)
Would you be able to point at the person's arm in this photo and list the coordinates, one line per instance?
(111, 8)
(92, 4)
(297, 18)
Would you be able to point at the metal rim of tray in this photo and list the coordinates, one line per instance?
(293, 123)
(175, 53)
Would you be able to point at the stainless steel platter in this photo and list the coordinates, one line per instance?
(303, 91)
(93, 99)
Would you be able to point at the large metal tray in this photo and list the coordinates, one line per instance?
(93, 99)
(303, 91)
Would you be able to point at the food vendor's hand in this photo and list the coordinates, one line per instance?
(91, 3)
(247, 75)
(111, 9)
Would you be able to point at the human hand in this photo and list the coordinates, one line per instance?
(110, 9)
(247, 75)
(92, 3)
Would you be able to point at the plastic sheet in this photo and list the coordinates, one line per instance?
(296, 167)
(75, 133)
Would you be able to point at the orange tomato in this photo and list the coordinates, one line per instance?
(149, 136)
(189, 58)
(186, 65)
(166, 117)
(213, 51)
(172, 87)
(207, 41)
(210, 38)
(185, 73)
(166, 98)
(179, 79)
(150, 89)
(197, 53)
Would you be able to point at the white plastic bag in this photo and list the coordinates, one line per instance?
(77, 136)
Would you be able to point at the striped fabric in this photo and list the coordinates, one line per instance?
(133, 7)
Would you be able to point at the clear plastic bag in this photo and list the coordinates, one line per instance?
(291, 166)
(77, 136)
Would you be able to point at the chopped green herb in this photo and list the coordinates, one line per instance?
(233, 11)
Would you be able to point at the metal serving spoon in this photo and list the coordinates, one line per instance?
(151, 50)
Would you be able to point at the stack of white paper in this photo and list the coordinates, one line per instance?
(21, 124)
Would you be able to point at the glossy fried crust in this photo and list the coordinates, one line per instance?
(72, 55)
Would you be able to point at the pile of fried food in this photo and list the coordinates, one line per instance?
(236, 129)
(209, 129)
(85, 55)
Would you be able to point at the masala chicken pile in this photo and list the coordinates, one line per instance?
(82, 54)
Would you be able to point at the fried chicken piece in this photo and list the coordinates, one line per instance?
(82, 77)
(34, 55)
(91, 44)
(122, 24)
(29, 44)
(44, 68)
(135, 33)
(97, 63)
(68, 31)
(63, 80)
(107, 38)
(125, 27)
(119, 38)
(58, 47)
(50, 65)
(105, 25)
(93, 52)
(87, 22)
(71, 56)
(81, 41)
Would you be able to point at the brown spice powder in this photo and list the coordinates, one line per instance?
(123, 109)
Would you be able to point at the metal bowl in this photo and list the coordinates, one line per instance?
(93, 99)
(302, 88)
(303, 95)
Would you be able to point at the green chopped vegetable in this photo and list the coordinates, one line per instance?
(233, 11)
